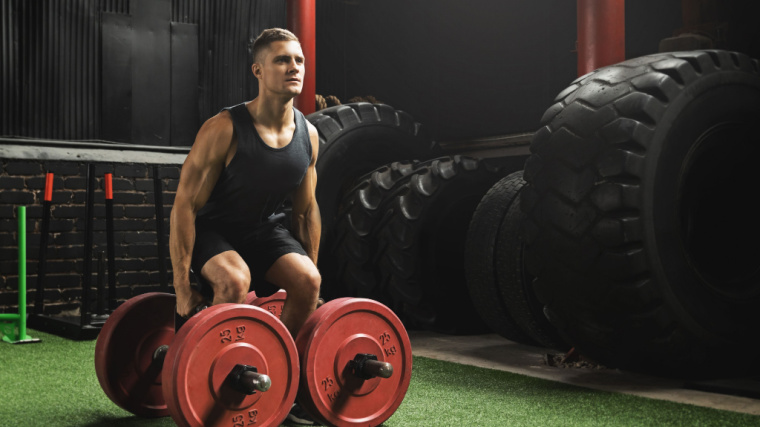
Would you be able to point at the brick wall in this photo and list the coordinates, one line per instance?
(22, 182)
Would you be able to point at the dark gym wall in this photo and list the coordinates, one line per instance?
(465, 69)
(50, 74)
(136, 71)
(22, 182)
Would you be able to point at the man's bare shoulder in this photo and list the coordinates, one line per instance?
(218, 127)
(314, 137)
(313, 133)
(215, 134)
(214, 139)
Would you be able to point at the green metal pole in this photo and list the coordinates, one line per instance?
(22, 336)
(20, 318)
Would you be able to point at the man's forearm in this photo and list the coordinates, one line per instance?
(308, 230)
(181, 241)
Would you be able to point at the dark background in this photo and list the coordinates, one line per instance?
(150, 71)
(466, 69)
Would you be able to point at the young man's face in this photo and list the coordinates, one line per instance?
(281, 68)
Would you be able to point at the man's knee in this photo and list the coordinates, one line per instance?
(234, 285)
(307, 284)
(313, 280)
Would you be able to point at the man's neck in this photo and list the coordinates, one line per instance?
(272, 112)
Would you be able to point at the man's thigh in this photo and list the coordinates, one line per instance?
(290, 270)
(224, 268)
(253, 251)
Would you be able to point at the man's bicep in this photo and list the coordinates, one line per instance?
(190, 191)
(304, 194)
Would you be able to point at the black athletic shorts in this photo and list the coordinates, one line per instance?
(259, 247)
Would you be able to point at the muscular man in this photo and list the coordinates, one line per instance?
(244, 163)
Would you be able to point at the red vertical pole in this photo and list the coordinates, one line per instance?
(601, 34)
(302, 22)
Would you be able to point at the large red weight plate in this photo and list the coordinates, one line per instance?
(124, 353)
(272, 303)
(203, 354)
(330, 339)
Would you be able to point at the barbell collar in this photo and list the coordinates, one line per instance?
(254, 381)
(366, 366)
(247, 380)
(375, 368)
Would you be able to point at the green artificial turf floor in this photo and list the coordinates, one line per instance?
(54, 383)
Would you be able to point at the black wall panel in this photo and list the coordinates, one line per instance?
(55, 64)
(151, 72)
(8, 86)
(116, 77)
(50, 68)
(185, 118)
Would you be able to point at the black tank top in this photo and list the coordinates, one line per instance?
(255, 184)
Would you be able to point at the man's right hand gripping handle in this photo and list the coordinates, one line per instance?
(189, 302)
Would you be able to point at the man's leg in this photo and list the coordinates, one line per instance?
(299, 277)
(229, 277)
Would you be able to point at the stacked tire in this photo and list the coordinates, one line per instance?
(395, 214)
(400, 239)
(497, 281)
(421, 240)
(639, 229)
(354, 140)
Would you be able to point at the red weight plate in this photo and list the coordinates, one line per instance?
(124, 353)
(330, 339)
(272, 303)
(203, 354)
(250, 298)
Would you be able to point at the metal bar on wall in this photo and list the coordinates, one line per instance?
(158, 199)
(88, 238)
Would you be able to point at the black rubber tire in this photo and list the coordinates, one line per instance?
(515, 284)
(641, 232)
(362, 208)
(354, 139)
(421, 244)
(480, 260)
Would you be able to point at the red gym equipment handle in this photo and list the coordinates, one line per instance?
(109, 186)
(49, 187)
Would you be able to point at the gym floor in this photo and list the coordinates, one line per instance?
(494, 352)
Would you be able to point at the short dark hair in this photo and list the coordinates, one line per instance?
(269, 36)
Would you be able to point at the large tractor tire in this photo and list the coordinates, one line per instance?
(355, 139)
(422, 239)
(642, 233)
